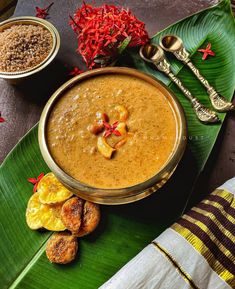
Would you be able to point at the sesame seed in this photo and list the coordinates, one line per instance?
(23, 46)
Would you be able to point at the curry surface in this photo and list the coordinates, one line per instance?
(151, 125)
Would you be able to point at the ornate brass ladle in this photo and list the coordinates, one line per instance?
(154, 54)
(175, 45)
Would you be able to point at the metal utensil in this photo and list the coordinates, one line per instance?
(174, 44)
(154, 54)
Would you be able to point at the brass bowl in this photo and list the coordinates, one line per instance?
(128, 194)
(19, 76)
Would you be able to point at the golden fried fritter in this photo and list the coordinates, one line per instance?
(71, 214)
(51, 191)
(50, 217)
(61, 248)
(33, 212)
(90, 219)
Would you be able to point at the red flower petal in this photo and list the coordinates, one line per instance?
(212, 53)
(43, 12)
(115, 124)
(75, 71)
(35, 181)
(208, 47)
(40, 177)
(204, 55)
(117, 133)
(107, 133)
(2, 119)
(32, 180)
(35, 188)
(107, 125)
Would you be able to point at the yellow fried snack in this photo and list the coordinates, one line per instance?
(33, 212)
(61, 248)
(50, 217)
(51, 191)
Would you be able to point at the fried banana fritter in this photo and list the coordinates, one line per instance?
(50, 217)
(33, 219)
(51, 191)
(62, 248)
(71, 214)
(90, 219)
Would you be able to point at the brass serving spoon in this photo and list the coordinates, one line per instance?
(174, 44)
(154, 54)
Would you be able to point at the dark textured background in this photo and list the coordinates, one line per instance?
(21, 106)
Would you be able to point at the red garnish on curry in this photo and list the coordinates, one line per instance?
(111, 129)
(35, 181)
(43, 12)
(207, 51)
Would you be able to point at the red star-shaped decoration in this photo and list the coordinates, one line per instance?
(207, 51)
(111, 129)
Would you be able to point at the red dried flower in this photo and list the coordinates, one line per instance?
(35, 181)
(207, 51)
(75, 71)
(1, 118)
(111, 129)
(43, 12)
(104, 32)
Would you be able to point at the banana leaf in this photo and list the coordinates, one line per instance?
(216, 27)
(124, 230)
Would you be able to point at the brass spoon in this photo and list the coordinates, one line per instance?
(175, 45)
(154, 54)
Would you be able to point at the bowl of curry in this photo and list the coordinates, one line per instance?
(112, 135)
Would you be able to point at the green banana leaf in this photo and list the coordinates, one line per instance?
(124, 230)
(214, 25)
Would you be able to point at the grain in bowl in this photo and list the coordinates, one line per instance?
(24, 46)
(27, 45)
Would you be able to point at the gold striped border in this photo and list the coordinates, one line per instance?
(220, 207)
(213, 238)
(223, 194)
(227, 196)
(229, 234)
(217, 206)
(201, 248)
(183, 274)
(205, 252)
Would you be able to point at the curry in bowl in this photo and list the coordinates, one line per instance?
(111, 130)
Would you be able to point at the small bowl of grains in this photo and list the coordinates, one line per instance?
(27, 45)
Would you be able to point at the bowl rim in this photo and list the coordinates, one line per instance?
(165, 171)
(54, 50)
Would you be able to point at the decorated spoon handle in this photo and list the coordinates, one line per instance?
(204, 114)
(217, 101)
